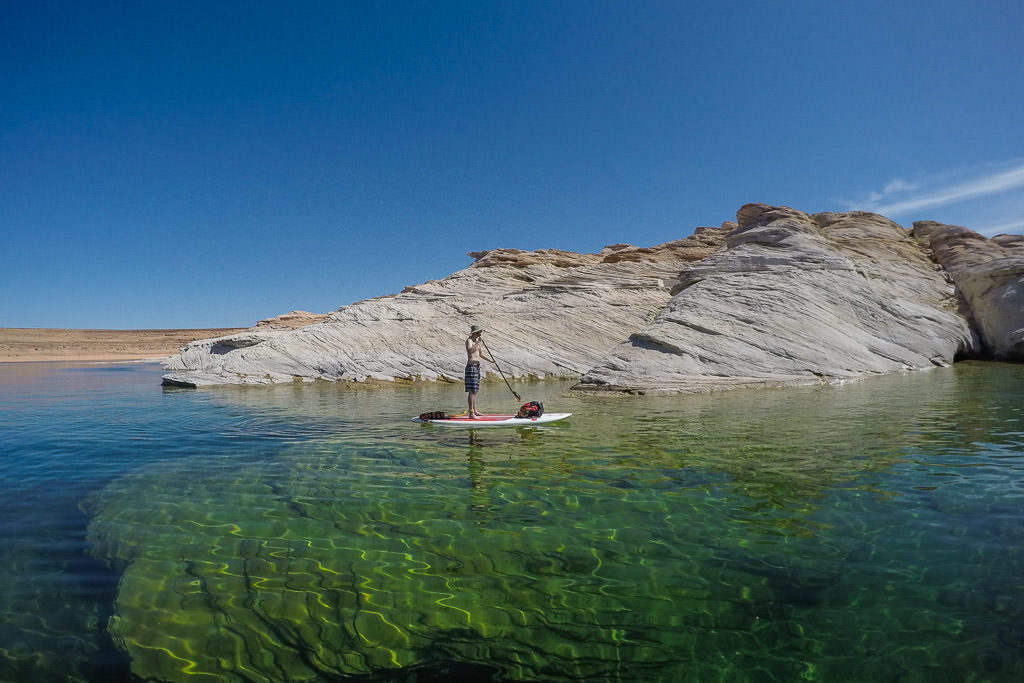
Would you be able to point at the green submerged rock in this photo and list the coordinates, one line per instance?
(349, 561)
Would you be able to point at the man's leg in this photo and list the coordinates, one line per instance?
(472, 386)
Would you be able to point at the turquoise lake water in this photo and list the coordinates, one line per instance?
(867, 532)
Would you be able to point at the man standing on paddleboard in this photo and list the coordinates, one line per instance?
(474, 352)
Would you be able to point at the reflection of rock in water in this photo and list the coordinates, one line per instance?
(355, 563)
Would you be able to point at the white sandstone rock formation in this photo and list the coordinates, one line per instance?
(989, 274)
(547, 313)
(778, 298)
(794, 299)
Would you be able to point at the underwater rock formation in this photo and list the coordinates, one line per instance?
(356, 565)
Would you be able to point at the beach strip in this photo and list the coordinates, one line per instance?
(18, 344)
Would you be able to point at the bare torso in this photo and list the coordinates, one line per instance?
(475, 350)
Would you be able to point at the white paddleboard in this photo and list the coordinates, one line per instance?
(496, 420)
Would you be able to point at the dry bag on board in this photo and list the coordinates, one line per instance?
(531, 409)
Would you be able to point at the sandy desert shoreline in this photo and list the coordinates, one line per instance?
(46, 344)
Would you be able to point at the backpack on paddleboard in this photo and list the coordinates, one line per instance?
(531, 409)
(434, 415)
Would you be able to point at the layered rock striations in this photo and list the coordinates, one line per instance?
(291, 320)
(989, 274)
(548, 313)
(794, 299)
(778, 298)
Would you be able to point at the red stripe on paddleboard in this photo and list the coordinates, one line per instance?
(480, 418)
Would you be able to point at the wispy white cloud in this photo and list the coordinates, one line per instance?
(897, 185)
(1013, 228)
(988, 200)
(894, 186)
(993, 183)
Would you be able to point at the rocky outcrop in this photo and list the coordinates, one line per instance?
(794, 299)
(989, 274)
(291, 320)
(778, 298)
(547, 313)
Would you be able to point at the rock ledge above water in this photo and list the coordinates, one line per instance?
(778, 298)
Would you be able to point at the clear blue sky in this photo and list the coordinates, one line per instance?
(195, 164)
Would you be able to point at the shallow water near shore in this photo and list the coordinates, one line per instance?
(865, 532)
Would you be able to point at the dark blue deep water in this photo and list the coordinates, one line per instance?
(867, 532)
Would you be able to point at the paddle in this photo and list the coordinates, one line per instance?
(499, 369)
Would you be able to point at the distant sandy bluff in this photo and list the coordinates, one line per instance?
(26, 345)
(45, 344)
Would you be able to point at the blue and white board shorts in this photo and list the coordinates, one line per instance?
(472, 378)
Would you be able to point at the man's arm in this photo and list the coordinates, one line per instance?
(481, 348)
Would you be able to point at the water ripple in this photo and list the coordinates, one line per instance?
(864, 532)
